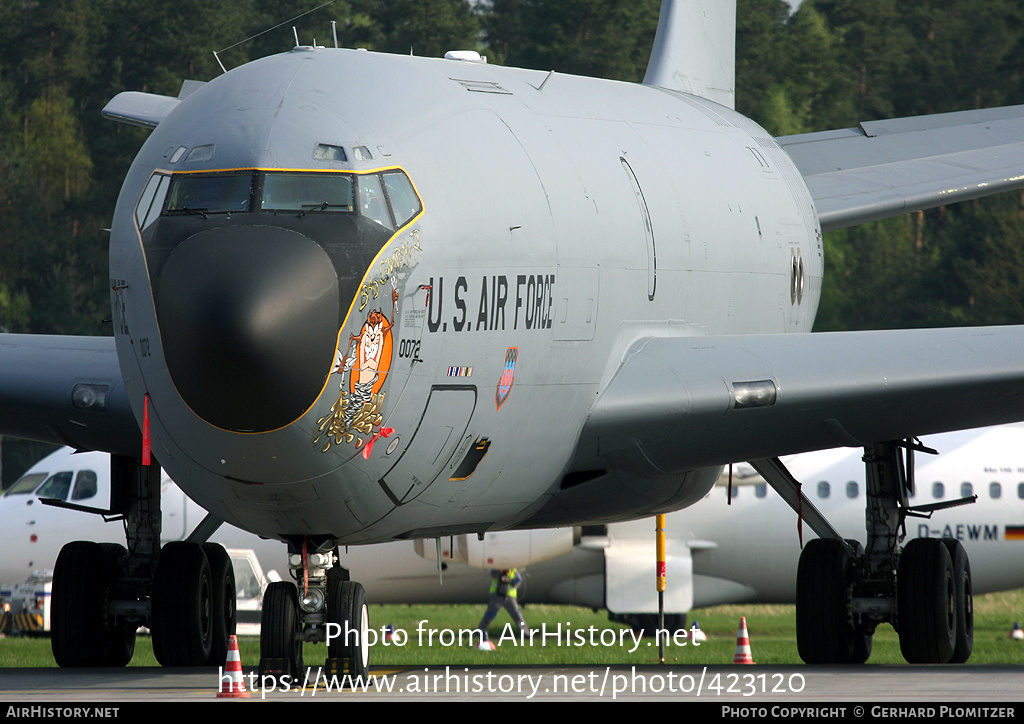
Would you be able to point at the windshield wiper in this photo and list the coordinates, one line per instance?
(192, 212)
(306, 208)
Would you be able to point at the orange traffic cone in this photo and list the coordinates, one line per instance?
(231, 684)
(742, 644)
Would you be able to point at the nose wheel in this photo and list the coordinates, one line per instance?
(346, 607)
(280, 632)
(323, 606)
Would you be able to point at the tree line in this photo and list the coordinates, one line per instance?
(829, 64)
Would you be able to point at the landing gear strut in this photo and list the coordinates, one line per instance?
(844, 591)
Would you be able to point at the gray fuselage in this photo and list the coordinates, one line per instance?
(280, 329)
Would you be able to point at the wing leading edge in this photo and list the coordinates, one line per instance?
(687, 402)
(887, 168)
(68, 391)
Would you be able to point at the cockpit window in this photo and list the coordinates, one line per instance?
(58, 486)
(200, 153)
(327, 152)
(307, 192)
(386, 197)
(209, 194)
(404, 202)
(372, 203)
(152, 200)
(247, 585)
(26, 484)
(85, 485)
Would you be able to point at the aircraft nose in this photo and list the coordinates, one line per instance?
(249, 320)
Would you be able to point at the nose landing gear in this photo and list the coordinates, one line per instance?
(323, 606)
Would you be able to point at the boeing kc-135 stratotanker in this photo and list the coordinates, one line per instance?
(360, 297)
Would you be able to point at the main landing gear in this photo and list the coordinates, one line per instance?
(323, 606)
(185, 593)
(844, 590)
(103, 592)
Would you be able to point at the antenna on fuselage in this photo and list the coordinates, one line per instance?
(264, 32)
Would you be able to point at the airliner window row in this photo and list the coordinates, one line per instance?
(387, 198)
(938, 490)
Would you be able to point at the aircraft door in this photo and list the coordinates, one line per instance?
(645, 216)
(440, 429)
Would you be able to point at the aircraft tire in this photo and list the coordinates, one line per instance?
(182, 605)
(346, 606)
(964, 601)
(78, 621)
(121, 636)
(823, 632)
(926, 610)
(862, 641)
(280, 627)
(222, 574)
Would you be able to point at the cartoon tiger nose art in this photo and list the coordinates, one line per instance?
(364, 368)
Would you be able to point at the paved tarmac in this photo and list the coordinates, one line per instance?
(889, 686)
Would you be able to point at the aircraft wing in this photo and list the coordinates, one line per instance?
(136, 108)
(686, 402)
(886, 168)
(66, 390)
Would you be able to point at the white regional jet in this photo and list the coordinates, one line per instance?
(361, 297)
(32, 531)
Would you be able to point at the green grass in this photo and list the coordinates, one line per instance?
(771, 629)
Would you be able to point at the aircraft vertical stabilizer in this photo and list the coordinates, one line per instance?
(695, 49)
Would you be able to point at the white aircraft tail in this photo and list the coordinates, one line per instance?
(695, 49)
